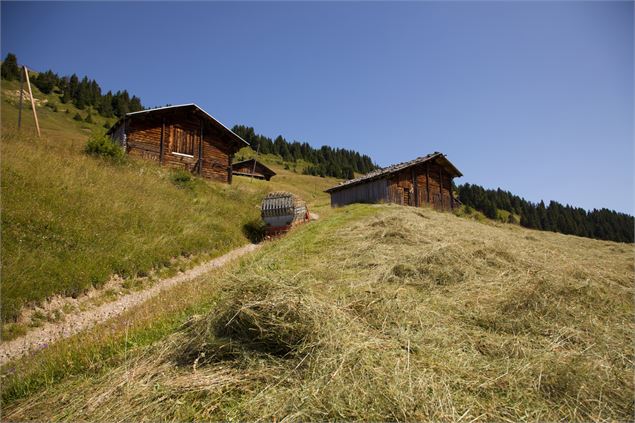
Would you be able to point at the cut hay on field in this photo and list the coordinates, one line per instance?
(403, 314)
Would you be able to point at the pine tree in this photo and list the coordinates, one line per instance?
(10, 70)
(350, 174)
(73, 85)
(46, 81)
(489, 210)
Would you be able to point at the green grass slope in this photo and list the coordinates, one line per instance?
(70, 221)
(373, 313)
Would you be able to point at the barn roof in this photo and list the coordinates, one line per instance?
(380, 173)
(267, 170)
(195, 108)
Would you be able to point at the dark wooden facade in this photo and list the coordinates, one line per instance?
(252, 168)
(426, 181)
(183, 137)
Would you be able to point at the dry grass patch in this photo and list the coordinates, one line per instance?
(457, 321)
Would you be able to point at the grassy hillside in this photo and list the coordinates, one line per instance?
(70, 221)
(374, 313)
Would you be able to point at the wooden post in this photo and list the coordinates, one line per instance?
(428, 181)
(414, 187)
(161, 148)
(21, 96)
(441, 186)
(200, 152)
(231, 171)
(451, 196)
(28, 84)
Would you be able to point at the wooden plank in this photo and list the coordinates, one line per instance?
(28, 84)
(428, 181)
(200, 151)
(414, 187)
(134, 144)
(161, 148)
(230, 170)
(441, 186)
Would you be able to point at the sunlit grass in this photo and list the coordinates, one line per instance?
(71, 221)
(374, 313)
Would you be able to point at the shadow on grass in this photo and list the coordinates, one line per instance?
(254, 230)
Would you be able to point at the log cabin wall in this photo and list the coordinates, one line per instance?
(247, 169)
(370, 192)
(435, 185)
(181, 146)
(426, 184)
(425, 181)
(401, 189)
(217, 157)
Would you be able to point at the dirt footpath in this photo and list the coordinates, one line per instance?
(51, 332)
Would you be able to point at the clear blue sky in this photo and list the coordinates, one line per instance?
(532, 97)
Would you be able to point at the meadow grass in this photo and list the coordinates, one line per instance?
(374, 313)
(107, 345)
(71, 221)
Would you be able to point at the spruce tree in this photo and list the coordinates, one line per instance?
(489, 210)
(46, 81)
(10, 70)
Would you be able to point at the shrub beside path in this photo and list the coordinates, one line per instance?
(73, 324)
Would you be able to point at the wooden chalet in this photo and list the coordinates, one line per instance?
(183, 136)
(252, 168)
(425, 181)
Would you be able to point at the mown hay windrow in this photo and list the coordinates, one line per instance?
(457, 321)
(264, 317)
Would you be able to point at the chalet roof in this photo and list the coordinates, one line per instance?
(380, 173)
(251, 161)
(211, 119)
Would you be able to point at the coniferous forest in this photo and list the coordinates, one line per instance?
(599, 224)
(80, 92)
(327, 161)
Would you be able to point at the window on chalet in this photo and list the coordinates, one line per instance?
(184, 141)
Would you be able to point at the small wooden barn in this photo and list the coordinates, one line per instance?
(252, 168)
(425, 181)
(183, 136)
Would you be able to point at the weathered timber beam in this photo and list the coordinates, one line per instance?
(161, 145)
(441, 185)
(428, 181)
